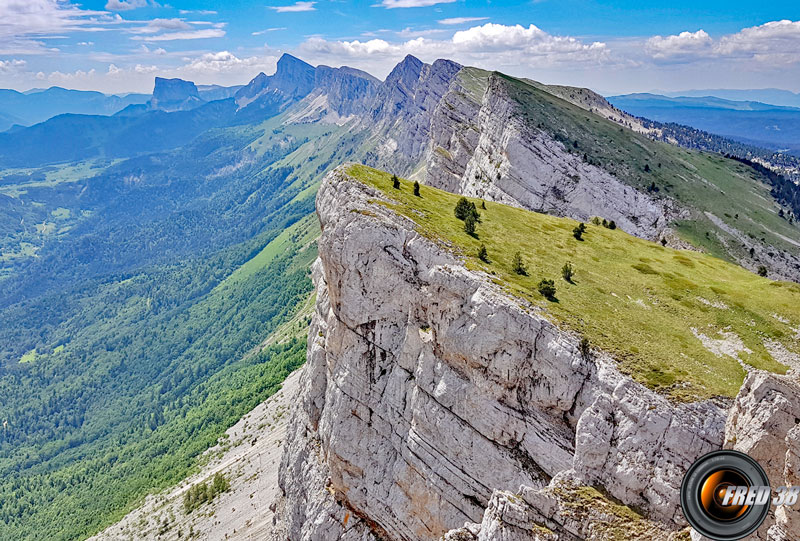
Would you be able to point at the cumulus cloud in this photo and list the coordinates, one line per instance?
(683, 45)
(295, 8)
(11, 66)
(392, 4)
(772, 43)
(225, 61)
(461, 20)
(490, 45)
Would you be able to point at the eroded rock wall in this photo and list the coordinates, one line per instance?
(427, 389)
(487, 149)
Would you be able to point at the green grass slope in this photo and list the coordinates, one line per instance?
(735, 194)
(645, 304)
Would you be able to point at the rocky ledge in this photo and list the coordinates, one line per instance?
(435, 405)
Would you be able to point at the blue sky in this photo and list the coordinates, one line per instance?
(612, 46)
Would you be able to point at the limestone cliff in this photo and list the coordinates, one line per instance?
(432, 399)
(486, 148)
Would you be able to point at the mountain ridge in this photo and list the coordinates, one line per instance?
(196, 239)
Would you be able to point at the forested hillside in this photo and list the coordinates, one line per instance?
(133, 297)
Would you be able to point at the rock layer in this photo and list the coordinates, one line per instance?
(427, 389)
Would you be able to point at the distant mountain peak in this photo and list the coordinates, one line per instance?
(286, 60)
(174, 89)
(409, 67)
(174, 94)
(293, 78)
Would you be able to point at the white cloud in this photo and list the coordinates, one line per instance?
(773, 43)
(461, 20)
(26, 24)
(408, 33)
(145, 69)
(11, 66)
(23, 21)
(205, 33)
(392, 4)
(197, 11)
(225, 61)
(295, 8)
(492, 46)
(157, 25)
(266, 30)
(125, 5)
(683, 45)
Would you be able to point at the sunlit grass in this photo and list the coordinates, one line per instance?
(635, 299)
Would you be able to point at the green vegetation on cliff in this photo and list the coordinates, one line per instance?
(650, 306)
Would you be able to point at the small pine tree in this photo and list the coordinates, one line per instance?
(518, 266)
(547, 288)
(596, 220)
(395, 182)
(470, 225)
(483, 255)
(568, 272)
(466, 208)
(612, 224)
(220, 483)
(663, 241)
(483, 205)
(605, 222)
(463, 208)
(578, 233)
(416, 189)
(762, 270)
(647, 168)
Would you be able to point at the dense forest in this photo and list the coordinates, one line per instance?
(135, 299)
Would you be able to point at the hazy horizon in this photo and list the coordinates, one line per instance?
(119, 46)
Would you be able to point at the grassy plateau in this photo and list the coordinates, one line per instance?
(649, 306)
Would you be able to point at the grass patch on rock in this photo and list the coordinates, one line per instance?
(641, 302)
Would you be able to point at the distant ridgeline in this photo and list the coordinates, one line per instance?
(154, 264)
(785, 163)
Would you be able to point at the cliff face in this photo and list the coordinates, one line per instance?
(175, 95)
(400, 114)
(502, 157)
(427, 390)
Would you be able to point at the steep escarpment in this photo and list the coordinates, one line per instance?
(503, 156)
(428, 388)
(568, 152)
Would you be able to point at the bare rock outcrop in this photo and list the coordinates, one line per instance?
(485, 147)
(764, 422)
(428, 390)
